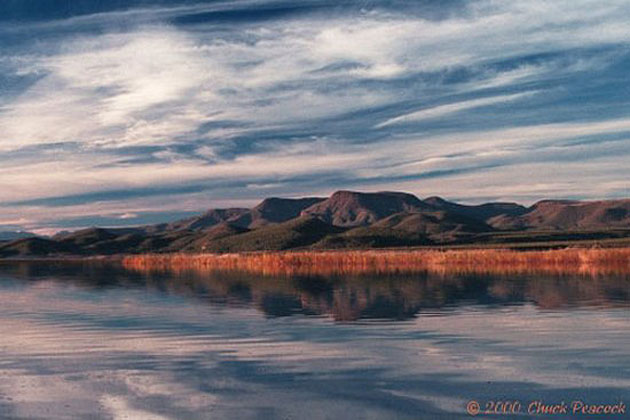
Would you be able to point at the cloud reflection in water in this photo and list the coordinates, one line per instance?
(100, 342)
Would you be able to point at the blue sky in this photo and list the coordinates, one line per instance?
(127, 112)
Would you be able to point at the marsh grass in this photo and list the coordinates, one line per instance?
(563, 261)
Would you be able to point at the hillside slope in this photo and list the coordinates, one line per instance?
(439, 226)
(569, 215)
(482, 212)
(351, 209)
(296, 233)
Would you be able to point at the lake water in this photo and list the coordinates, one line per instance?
(92, 342)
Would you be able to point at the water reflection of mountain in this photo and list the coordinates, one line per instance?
(346, 298)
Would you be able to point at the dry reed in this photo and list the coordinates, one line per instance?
(565, 261)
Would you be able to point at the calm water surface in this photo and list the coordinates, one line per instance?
(92, 342)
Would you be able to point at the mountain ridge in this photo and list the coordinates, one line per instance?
(352, 208)
(346, 219)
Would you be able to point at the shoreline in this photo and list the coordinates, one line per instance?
(499, 260)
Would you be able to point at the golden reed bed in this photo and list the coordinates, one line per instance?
(565, 261)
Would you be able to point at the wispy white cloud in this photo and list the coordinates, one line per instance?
(109, 91)
(444, 110)
(503, 164)
(128, 216)
(159, 82)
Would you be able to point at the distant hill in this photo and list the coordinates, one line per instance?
(481, 212)
(207, 220)
(33, 247)
(275, 210)
(350, 209)
(13, 235)
(347, 219)
(296, 233)
(270, 210)
(438, 226)
(568, 215)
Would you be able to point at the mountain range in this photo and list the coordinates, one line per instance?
(347, 219)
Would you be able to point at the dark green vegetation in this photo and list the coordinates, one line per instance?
(353, 220)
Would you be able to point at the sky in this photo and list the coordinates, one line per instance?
(118, 113)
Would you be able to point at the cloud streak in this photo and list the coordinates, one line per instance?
(444, 110)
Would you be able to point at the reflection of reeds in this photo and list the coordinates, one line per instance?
(345, 297)
(565, 261)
